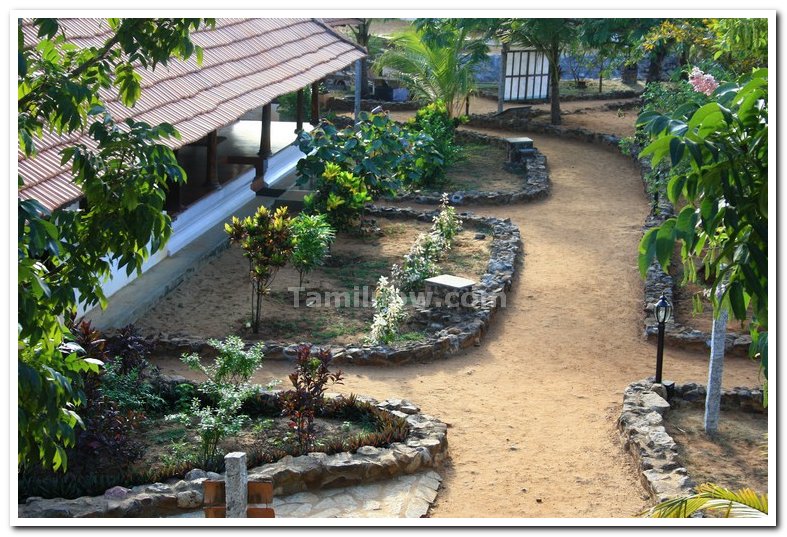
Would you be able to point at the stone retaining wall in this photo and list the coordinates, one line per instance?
(450, 329)
(641, 424)
(535, 180)
(425, 448)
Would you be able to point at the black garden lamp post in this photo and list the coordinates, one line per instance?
(662, 312)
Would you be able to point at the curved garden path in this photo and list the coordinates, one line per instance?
(532, 411)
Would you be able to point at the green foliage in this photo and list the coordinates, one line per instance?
(233, 366)
(123, 173)
(435, 62)
(309, 380)
(723, 148)
(312, 237)
(266, 240)
(382, 153)
(339, 195)
(215, 423)
(434, 120)
(741, 44)
(129, 390)
(666, 97)
(744, 503)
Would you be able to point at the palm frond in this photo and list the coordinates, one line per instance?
(744, 503)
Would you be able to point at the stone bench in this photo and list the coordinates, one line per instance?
(518, 151)
(450, 291)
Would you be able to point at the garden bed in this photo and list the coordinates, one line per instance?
(423, 447)
(335, 305)
(669, 469)
(445, 330)
(482, 178)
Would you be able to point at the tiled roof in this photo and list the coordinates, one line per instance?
(246, 63)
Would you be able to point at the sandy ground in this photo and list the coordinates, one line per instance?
(586, 114)
(532, 411)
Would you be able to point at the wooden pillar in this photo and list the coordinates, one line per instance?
(299, 111)
(315, 119)
(501, 89)
(212, 176)
(265, 133)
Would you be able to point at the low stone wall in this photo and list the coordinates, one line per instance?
(525, 123)
(451, 329)
(535, 180)
(425, 448)
(641, 424)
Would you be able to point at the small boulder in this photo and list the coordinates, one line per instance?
(196, 473)
(116, 493)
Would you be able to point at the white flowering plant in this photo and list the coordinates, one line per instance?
(447, 224)
(389, 312)
(419, 263)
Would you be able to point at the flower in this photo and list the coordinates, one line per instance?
(702, 82)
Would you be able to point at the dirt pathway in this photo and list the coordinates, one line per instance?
(532, 411)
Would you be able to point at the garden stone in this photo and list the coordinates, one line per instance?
(236, 484)
(158, 488)
(189, 499)
(117, 493)
(196, 473)
(655, 402)
(213, 476)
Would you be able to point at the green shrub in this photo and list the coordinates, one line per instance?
(129, 391)
(312, 236)
(233, 365)
(340, 195)
(433, 120)
(384, 154)
(267, 242)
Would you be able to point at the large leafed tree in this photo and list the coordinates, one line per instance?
(123, 172)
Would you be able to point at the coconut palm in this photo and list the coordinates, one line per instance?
(744, 503)
(434, 69)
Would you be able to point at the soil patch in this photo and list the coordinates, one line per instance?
(735, 458)
(481, 169)
(216, 300)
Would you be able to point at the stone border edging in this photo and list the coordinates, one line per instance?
(641, 424)
(452, 330)
(525, 124)
(604, 96)
(535, 182)
(426, 447)
(337, 104)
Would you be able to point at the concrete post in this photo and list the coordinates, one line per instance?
(237, 480)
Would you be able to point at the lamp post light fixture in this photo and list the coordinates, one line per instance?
(662, 312)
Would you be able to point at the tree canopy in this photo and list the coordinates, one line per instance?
(63, 255)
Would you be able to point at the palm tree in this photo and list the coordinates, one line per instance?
(434, 69)
(744, 503)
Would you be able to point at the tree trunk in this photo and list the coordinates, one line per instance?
(365, 93)
(715, 370)
(656, 59)
(554, 89)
